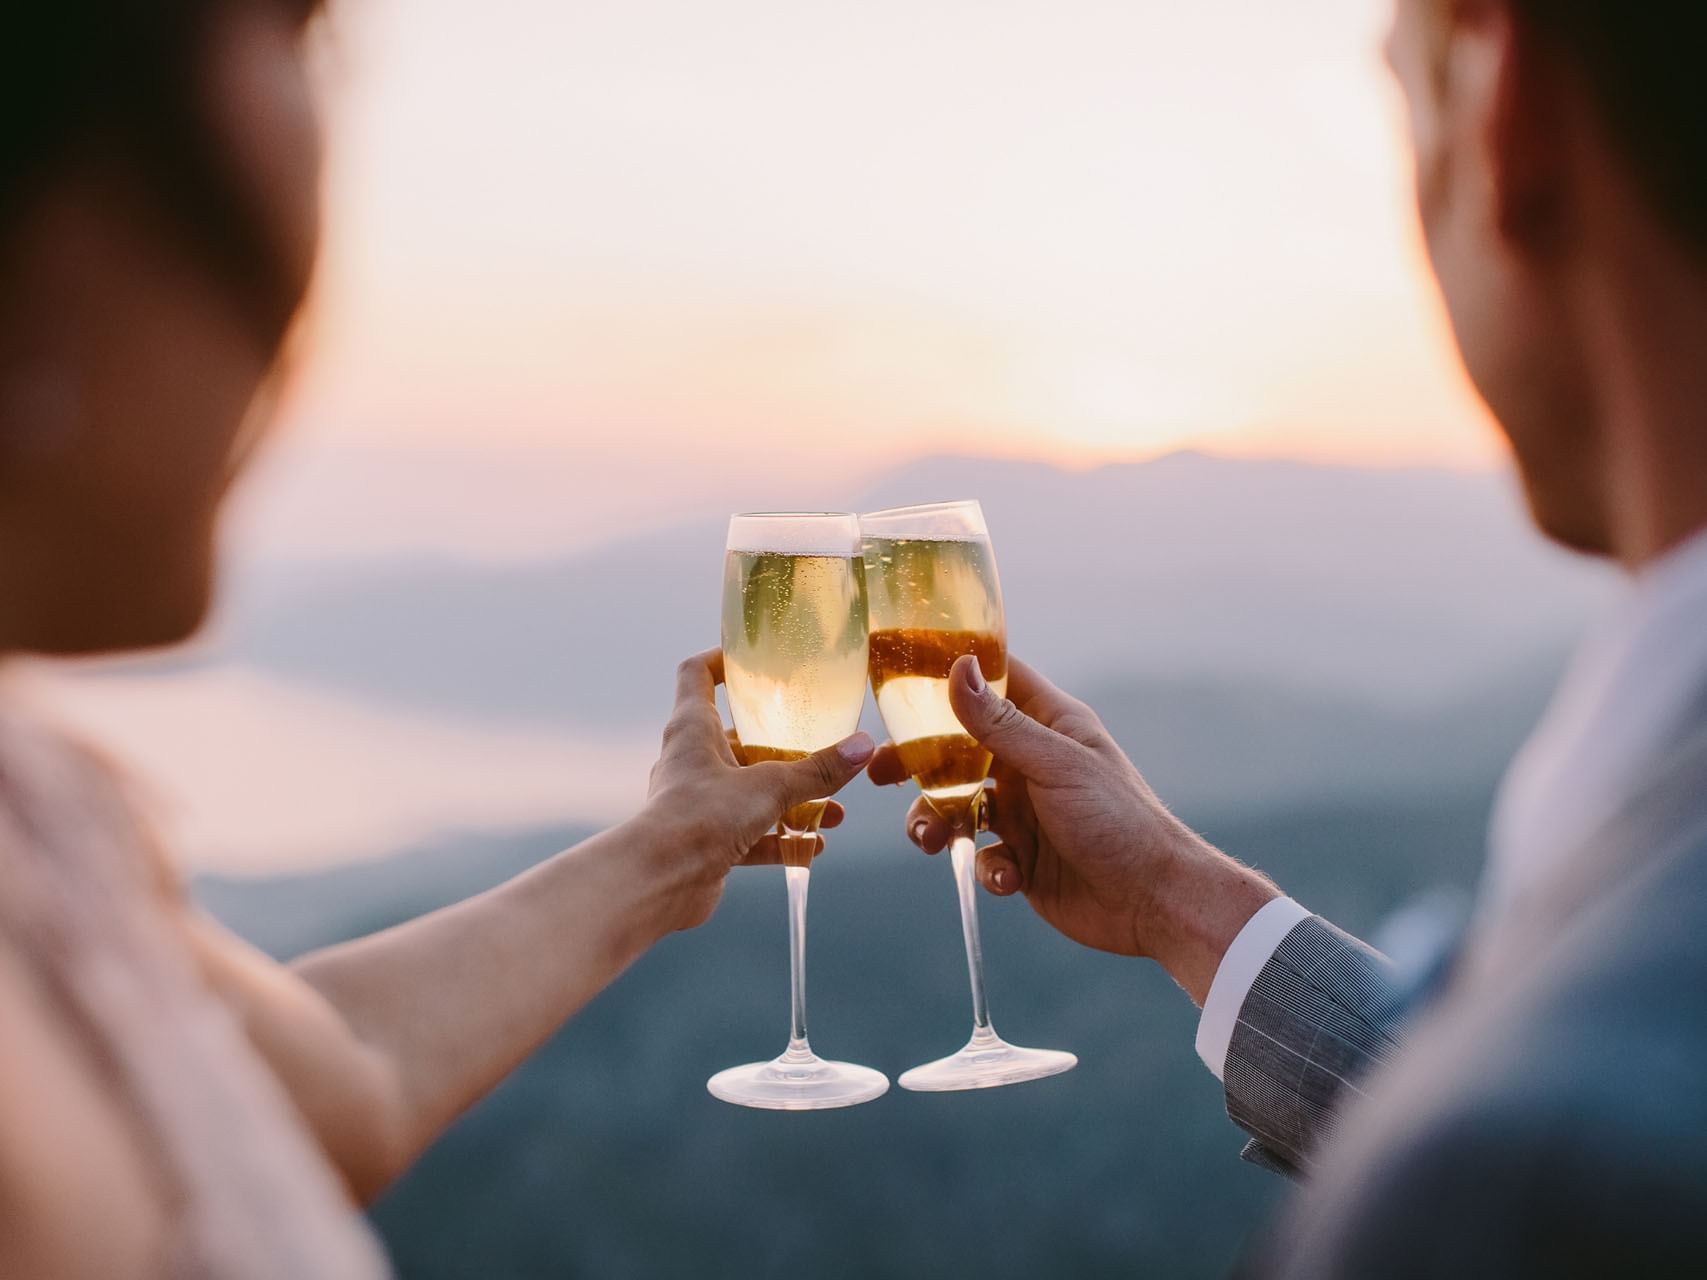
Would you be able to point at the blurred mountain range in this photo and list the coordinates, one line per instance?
(1400, 589)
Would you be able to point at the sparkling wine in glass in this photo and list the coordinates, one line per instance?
(933, 596)
(794, 666)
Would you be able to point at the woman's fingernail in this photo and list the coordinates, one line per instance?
(975, 679)
(999, 877)
(919, 829)
(857, 749)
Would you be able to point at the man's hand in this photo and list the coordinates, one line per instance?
(717, 814)
(1083, 836)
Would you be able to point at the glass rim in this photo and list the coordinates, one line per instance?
(794, 533)
(795, 515)
(921, 508)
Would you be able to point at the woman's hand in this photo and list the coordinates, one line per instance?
(711, 812)
(1083, 836)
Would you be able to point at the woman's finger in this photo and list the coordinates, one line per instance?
(998, 872)
(833, 815)
(885, 768)
(694, 719)
(697, 677)
(768, 852)
(926, 828)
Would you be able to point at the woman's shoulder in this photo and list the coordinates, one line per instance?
(38, 754)
(62, 797)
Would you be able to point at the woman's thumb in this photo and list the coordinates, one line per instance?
(823, 773)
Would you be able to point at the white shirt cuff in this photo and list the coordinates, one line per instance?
(1250, 951)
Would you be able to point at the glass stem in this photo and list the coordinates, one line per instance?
(798, 878)
(964, 854)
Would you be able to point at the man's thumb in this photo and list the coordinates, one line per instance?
(823, 773)
(1013, 737)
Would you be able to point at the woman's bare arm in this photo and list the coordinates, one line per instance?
(384, 1040)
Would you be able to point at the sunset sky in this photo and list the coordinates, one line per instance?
(593, 268)
(691, 242)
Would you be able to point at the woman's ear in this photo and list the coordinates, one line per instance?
(264, 115)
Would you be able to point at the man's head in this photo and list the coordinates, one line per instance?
(1555, 140)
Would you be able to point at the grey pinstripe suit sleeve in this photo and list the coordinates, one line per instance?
(1319, 1015)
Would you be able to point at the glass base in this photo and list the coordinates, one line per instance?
(986, 1062)
(798, 1082)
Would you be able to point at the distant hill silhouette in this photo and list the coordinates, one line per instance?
(1249, 749)
(1401, 588)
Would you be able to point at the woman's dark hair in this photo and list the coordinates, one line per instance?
(123, 83)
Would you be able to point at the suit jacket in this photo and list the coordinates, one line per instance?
(1545, 1114)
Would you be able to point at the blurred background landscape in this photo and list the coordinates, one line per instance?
(1142, 278)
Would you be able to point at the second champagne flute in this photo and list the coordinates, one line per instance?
(933, 594)
(794, 651)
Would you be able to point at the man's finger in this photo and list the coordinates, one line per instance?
(1019, 843)
(1007, 810)
(1032, 691)
(886, 768)
(1022, 743)
(768, 852)
(926, 827)
(1054, 709)
(998, 871)
(821, 774)
(833, 815)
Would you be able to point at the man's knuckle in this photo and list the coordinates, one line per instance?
(778, 786)
(1005, 716)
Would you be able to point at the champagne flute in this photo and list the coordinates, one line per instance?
(794, 659)
(931, 582)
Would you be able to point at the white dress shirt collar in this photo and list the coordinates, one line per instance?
(1622, 702)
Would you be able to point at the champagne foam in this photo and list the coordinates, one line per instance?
(828, 534)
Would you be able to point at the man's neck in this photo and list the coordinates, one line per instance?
(1646, 306)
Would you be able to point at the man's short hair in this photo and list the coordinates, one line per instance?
(1646, 61)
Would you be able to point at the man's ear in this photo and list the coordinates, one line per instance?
(1517, 85)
